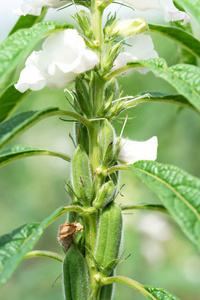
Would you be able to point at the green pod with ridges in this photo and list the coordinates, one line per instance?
(82, 93)
(108, 235)
(106, 195)
(106, 139)
(81, 136)
(112, 89)
(82, 176)
(75, 276)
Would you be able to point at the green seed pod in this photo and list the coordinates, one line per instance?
(112, 89)
(106, 194)
(81, 136)
(82, 93)
(106, 292)
(109, 235)
(107, 141)
(82, 176)
(75, 276)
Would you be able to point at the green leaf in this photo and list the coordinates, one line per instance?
(15, 125)
(160, 294)
(165, 98)
(181, 36)
(18, 151)
(184, 78)
(192, 7)
(179, 192)
(17, 46)
(9, 100)
(15, 245)
(28, 21)
(148, 291)
(10, 128)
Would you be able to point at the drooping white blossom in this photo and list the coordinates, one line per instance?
(170, 12)
(142, 47)
(133, 151)
(63, 56)
(34, 7)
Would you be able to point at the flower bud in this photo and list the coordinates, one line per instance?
(130, 27)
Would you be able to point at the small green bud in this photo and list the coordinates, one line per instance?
(130, 27)
(83, 19)
(111, 55)
(106, 194)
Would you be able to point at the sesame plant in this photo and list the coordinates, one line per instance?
(85, 64)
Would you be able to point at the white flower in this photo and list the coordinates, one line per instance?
(142, 48)
(63, 56)
(34, 7)
(133, 151)
(171, 13)
(130, 27)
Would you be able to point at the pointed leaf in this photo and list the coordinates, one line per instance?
(17, 46)
(148, 291)
(15, 125)
(15, 245)
(160, 294)
(179, 192)
(28, 21)
(9, 100)
(184, 78)
(21, 122)
(180, 36)
(166, 98)
(192, 7)
(18, 151)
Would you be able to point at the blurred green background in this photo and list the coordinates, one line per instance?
(33, 187)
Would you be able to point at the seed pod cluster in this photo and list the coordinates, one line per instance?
(75, 276)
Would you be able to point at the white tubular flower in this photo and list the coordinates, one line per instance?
(171, 13)
(142, 48)
(130, 27)
(133, 151)
(34, 7)
(63, 56)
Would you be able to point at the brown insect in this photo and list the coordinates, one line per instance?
(66, 232)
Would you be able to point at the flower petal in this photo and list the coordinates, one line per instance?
(34, 7)
(171, 13)
(63, 56)
(30, 78)
(142, 48)
(133, 151)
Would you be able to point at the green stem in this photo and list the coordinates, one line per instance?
(45, 254)
(157, 207)
(122, 70)
(97, 27)
(90, 222)
(136, 285)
